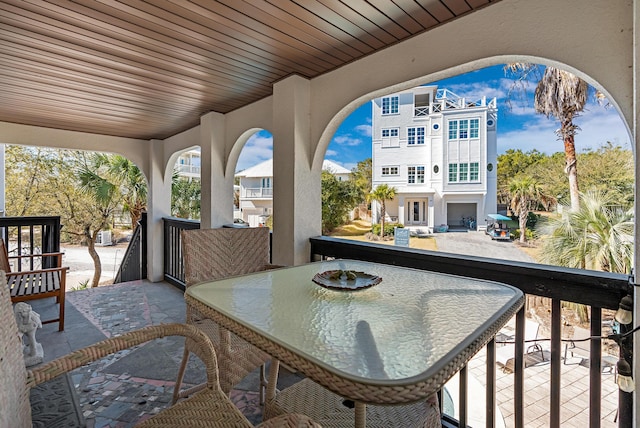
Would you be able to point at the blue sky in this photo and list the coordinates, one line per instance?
(519, 127)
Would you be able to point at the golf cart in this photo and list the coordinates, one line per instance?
(497, 228)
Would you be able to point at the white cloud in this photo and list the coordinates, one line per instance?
(477, 90)
(347, 140)
(330, 153)
(364, 129)
(259, 148)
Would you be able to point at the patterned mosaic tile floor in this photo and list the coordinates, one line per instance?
(132, 385)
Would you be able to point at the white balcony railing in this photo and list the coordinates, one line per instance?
(258, 192)
(188, 169)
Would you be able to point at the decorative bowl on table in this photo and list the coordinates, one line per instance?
(345, 280)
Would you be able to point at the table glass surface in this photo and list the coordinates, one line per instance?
(404, 328)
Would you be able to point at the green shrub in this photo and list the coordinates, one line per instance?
(530, 235)
(388, 228)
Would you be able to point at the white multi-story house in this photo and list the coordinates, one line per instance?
(188, 164)
(256, 189)
(439, 151)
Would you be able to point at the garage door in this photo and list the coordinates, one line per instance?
(456, 212)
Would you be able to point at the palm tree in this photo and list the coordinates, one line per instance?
(133, 185)
(105, 197)
(382, 193)
(562, 95)
(599, 236)
(525, 194)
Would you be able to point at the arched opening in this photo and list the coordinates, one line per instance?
(99, 197)
(253, 182)
(186, 185)
(427, 155)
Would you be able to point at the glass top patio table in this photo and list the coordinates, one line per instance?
(394, 342)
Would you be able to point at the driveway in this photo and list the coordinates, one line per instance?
(80, 264)
(475, 243)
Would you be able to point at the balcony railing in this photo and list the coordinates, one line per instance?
(258, 192)
(32, 235)
(188, 169)
(173, 261)
(597, 290)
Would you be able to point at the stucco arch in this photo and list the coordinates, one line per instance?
(236, 150)
(172, 159)
(333, 124)
(505, 29)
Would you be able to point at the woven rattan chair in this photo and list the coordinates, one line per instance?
(333, 411)
(211, 254)
(209, 407)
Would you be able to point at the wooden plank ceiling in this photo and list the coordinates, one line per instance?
(150, 69)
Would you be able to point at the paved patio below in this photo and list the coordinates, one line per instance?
(125, 388)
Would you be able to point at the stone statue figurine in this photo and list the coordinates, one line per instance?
(28, 322)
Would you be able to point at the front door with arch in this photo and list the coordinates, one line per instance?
(416, 211)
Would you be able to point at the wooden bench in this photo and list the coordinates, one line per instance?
(27, 285)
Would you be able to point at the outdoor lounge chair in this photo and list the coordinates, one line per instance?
(506, 353)
(34, 284)
(211, 254)
(207, 408)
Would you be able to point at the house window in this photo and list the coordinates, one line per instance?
(453, 172)
(389, 132)
(390, 105)
(390, 137)
(474, 127)
(464, 172)
(453, 130)
(415, 175)
(266, 182)
(389, 170)
(415, 136)
(464, 129)
(474, 171)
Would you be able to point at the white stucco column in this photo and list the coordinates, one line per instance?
(216, 203)
(297, 213)
(402, 216)
(636, 144)
(431, 221)
(159, 206)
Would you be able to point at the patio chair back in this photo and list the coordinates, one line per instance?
(211, 254)
(15, 409)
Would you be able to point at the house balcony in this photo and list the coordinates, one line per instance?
(188, 170)
(257, 193)
(561, 387)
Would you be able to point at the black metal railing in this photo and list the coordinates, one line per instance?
(597, 290)
(134, 262)
(173, 262)
(32, 235)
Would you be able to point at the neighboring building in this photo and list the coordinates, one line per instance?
(188, 164)
(256, 189)
(439, 151)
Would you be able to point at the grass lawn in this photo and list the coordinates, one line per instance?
(357, 229)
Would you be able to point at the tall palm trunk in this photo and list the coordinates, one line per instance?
(522, 220)
(571, 164)
(97, 264)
